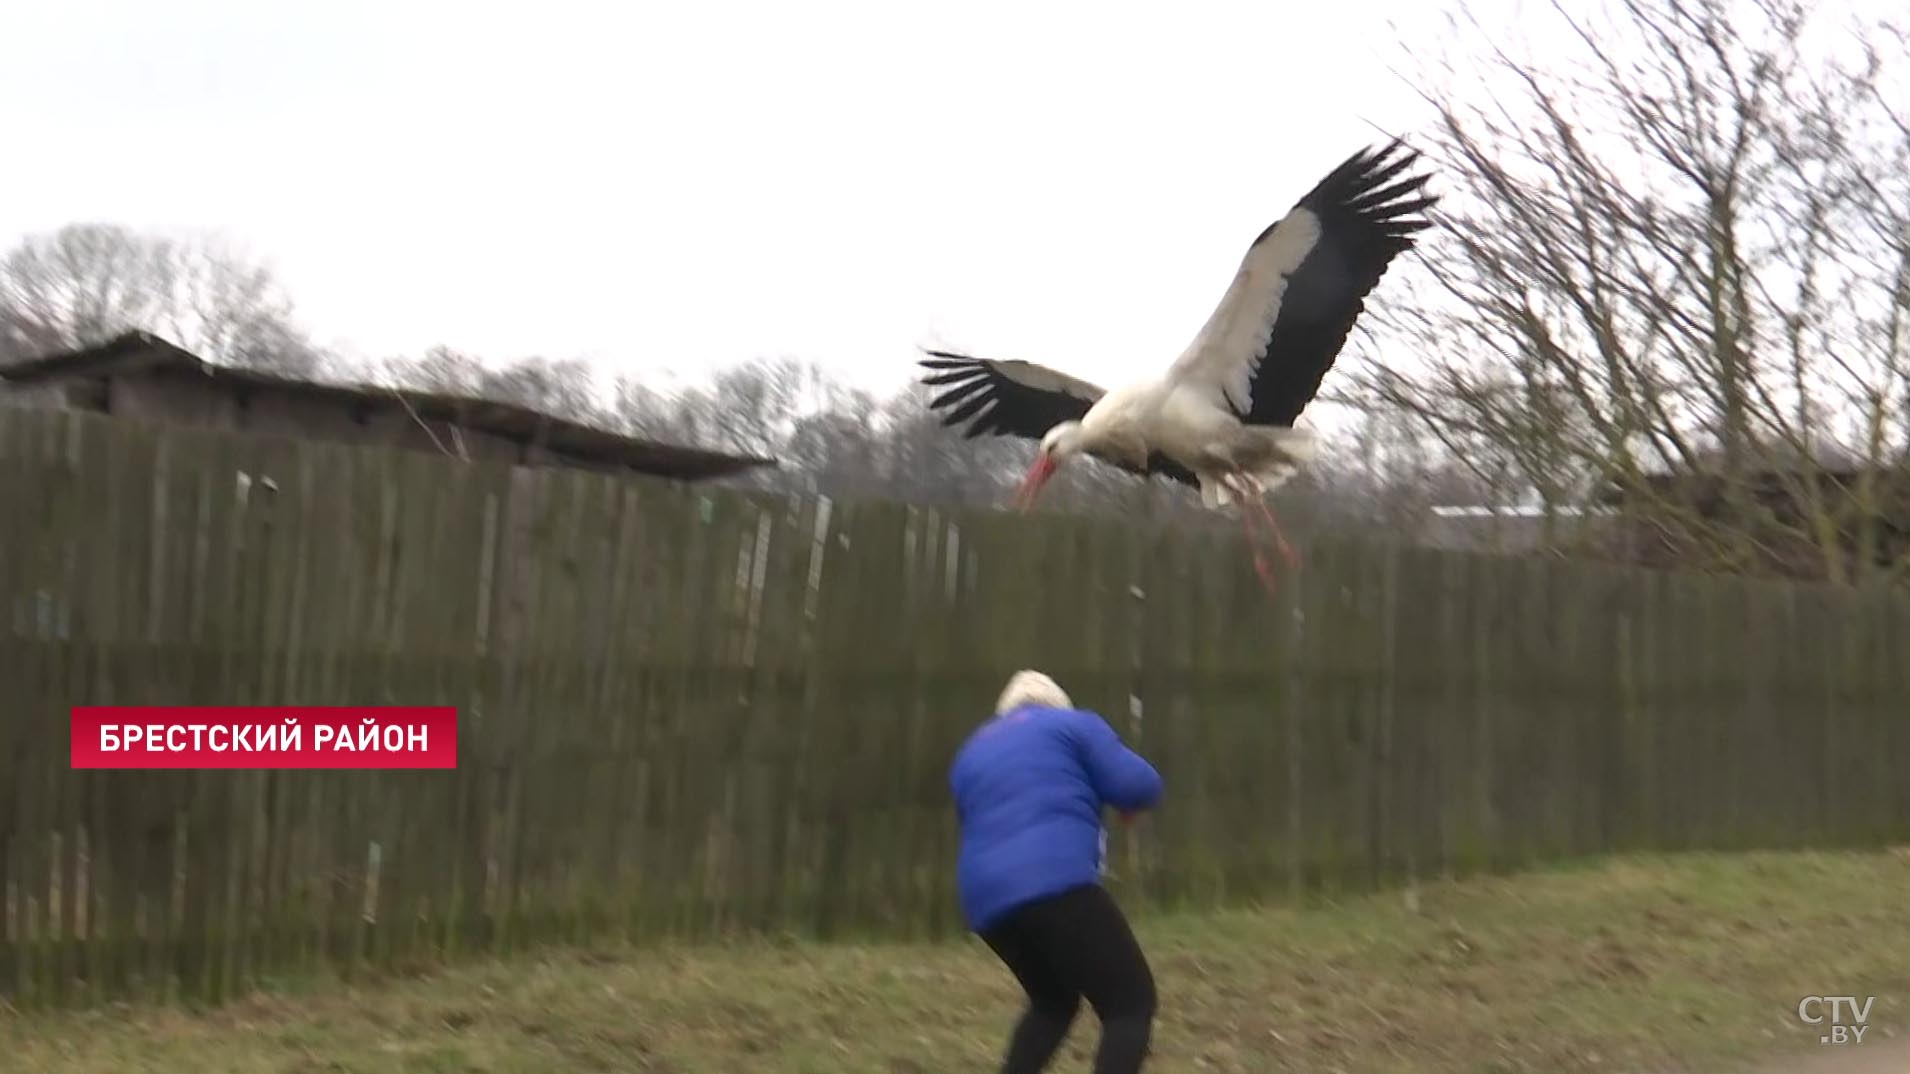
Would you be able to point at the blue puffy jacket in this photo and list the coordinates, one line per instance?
(1029, 788)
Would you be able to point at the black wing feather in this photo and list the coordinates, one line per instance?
(1019, 408)
(994, 402)
(1158, 465)
(1364, 225)
(1162, 466)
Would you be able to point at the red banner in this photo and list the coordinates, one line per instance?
(287, 736)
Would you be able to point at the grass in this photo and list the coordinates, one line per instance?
(1660, 964)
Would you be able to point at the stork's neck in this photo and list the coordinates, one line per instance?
(1118, 439)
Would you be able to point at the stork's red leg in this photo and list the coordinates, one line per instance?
(1260, 565)
(1244, 489)
(1286, 550)
(1264, 569)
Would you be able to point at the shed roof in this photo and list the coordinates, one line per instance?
(142, 352)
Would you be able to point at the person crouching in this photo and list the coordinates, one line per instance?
(1030, 785)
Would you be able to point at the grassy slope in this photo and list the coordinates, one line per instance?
(1641, 964)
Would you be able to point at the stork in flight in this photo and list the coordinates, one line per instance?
(1220, 418)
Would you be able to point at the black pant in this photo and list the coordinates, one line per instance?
(1065, 947)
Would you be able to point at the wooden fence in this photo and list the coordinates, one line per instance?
(685, 711)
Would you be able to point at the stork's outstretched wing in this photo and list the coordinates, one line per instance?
(1022, 399)
(1006, 398)
(1302, 284)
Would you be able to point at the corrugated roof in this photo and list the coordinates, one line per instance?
(136, 351)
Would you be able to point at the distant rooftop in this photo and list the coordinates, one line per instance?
(142, 352)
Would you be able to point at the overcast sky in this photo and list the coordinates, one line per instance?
(694, 184)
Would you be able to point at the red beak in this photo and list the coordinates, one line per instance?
(1038, 475)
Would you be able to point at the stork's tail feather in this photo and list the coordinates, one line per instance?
(1223, 491)
(1215, 492)
(1298, 446)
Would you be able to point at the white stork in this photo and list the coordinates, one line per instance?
(1221, 417)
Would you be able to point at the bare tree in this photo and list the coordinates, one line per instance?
(833, 438)
(1676, 257)
(562, 388)
(441, 369)
(86, 283)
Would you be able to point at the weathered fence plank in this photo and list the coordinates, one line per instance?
(687, 712)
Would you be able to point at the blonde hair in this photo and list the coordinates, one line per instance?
(1032, 688)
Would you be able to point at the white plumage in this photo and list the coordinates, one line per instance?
(1220, 417)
